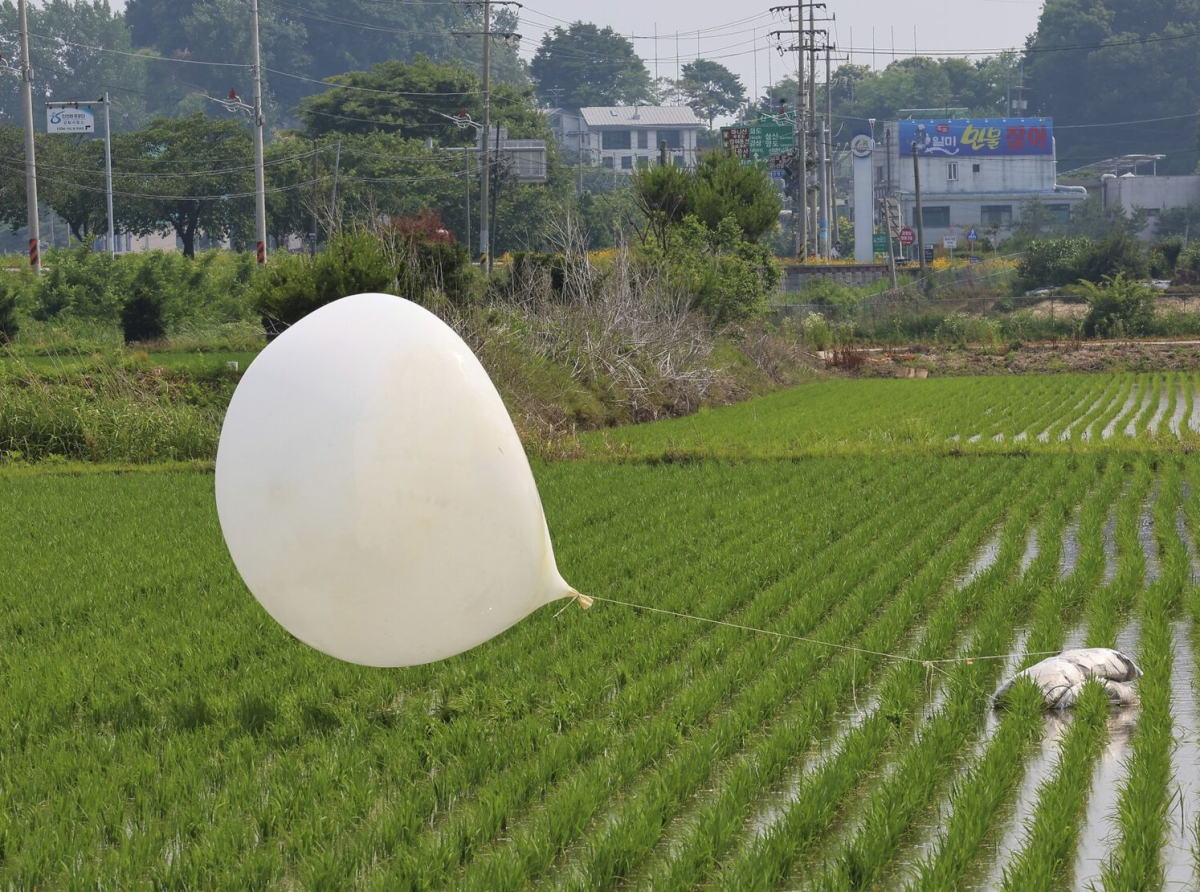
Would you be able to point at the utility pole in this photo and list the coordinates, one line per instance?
(823, 221)
(811, 121)
(485, 166)
(485, 244)
(35, 232)
(920, 214)
(260, 186)
(312, 214)
(112, 244)
(831, 205)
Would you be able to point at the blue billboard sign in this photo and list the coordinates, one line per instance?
(976, 137)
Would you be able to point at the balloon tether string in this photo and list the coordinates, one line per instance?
(585, 601)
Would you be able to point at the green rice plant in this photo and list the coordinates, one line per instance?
(759, 765)
(528, 852)
(1142, 808)
(765, 860)
(920, 771)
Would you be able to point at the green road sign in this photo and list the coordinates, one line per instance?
(879, 243)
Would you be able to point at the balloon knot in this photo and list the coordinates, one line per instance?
(584, 601)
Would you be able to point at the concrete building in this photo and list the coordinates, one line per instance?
(975, 173)
(1152, 193)
(625, 137)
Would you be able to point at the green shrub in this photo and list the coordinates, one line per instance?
(1049, 262)
(725, 276)
(1116, 254)
(426, 267)
(294, 285)
(1187, 268)
(964, 328)
(836, 301)
(9, 326)
(142, 314)
(1164, 257)
(1119, 308)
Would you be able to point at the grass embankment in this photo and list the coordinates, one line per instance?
(88, 399)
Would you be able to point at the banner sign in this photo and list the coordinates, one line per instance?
(977, 137)
(70, 120)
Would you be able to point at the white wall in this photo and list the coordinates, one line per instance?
(1158, 193)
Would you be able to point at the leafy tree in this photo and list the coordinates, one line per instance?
(188, 176)
(70, 179)
(66, 70)
(1094, 61)
(315, 40)
(583, 65)
(71, 182)
(664, 197)
(725, 188)
(396, 97)
(711, 89)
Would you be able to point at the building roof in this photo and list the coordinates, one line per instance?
(640, 116)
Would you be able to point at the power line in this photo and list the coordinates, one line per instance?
(132, 55)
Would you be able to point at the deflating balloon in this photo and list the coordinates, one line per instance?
(373, 491)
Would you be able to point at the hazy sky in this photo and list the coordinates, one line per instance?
(732, 29)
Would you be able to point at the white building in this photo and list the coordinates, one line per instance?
(625, 137)
(1153, 194)
(975, 173)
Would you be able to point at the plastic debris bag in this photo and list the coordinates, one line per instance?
(1061, 677)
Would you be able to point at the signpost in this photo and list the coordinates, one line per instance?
(949, 242)
(80, 117)
(907, 236)
(972, 234)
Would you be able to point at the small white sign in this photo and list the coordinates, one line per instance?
(70, 120)
(949, 242)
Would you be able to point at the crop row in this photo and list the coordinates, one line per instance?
(980, 415)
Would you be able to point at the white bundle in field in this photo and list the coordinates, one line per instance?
(1061, 677)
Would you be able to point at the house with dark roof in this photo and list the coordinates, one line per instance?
(625, 137)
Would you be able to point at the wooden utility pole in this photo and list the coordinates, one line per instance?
(31, 199)
(920, 213)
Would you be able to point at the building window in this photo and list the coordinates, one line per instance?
(974, 168)
(607, 161)
(952, 170)
(996, 215)
(643, 161)
(614, 139)
(1060, 212)
(879, 173)
(626, 162)
(936, 216)
(673, 138)
(643, 139)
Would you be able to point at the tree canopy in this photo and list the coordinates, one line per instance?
(412, 99)
(188, 176)
(710, 89)
(584, 65)
(1105, 61)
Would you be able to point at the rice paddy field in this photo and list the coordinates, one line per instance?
(158, 729)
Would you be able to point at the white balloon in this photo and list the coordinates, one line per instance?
(373, 492)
